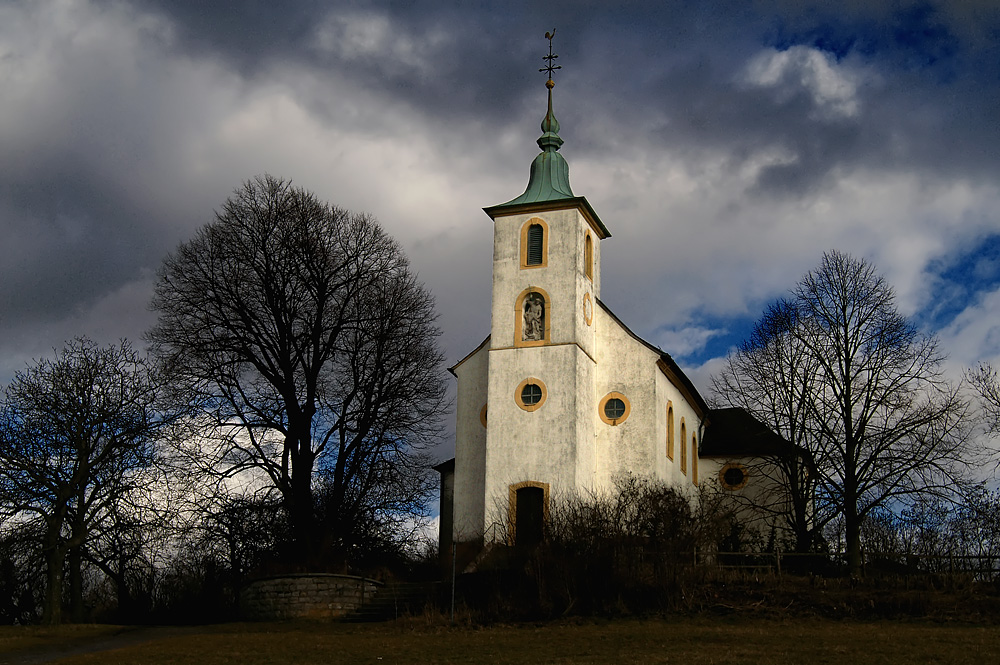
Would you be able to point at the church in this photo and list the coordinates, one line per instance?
(562, 397)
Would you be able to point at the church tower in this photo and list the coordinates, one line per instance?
(546, 279)
(540, 357)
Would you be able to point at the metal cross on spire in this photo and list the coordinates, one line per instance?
(549, 67)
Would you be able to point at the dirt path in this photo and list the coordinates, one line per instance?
(127, 636)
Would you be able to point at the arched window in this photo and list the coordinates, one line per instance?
(588, 257)
(670, 431)
(684, 448)
(534, 243)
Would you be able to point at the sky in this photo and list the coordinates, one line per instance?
(726, 145)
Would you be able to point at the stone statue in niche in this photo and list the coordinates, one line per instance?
(533, 329)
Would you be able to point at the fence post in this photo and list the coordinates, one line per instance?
(777, 558)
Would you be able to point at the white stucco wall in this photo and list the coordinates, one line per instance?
(639, 445)
(544, 445)
(470, 445)
(627, 367)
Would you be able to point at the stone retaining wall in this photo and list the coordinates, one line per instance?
(305, 596)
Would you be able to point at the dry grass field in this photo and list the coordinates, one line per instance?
(689, 641)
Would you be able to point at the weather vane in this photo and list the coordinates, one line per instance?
(549, 67)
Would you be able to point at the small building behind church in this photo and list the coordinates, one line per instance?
(562, 397)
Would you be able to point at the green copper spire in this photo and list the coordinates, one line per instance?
(548, 184)
(549, 179)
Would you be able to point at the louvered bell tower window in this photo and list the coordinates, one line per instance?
(535, 237)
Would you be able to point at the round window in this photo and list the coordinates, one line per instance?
(733, 476)
(614, 408)
(531, 394)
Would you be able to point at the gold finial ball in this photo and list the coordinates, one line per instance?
(550, 84)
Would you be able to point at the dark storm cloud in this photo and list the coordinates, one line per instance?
(926, 88)
(671, 70)
(72, 244)
(464, 51)
(129, 122)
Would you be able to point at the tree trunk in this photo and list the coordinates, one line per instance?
(52, 603)
(803, 539)
(55, 558)
(76, 611)
(852, 532)
(301, 510)
(124, 597)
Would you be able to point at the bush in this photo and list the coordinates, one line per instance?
(629, 551)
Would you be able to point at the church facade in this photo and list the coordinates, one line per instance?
(562, 397)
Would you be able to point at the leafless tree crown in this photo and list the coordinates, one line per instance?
(308, 344)
(837, 370)
(76, 435)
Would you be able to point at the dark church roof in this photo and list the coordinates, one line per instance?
(734, 432)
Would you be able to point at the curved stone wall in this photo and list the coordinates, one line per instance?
(305, 596)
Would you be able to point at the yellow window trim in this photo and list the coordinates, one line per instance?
(694, 459)
(727, 467)
(520, 387)
(524, 243)
(482, 415)
(588, 256)
(610, 396)
(684, 446)
(670, 431)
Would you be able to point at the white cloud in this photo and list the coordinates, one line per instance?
(120, 313)
(701, 376)
(696, 237)
(974, 334)
(832, 86)
(685, 341)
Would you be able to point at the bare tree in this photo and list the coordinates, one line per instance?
(985, 382)
(76, 433)
(137, 535)
(772, 375)
(880, 422)
(299, 331)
